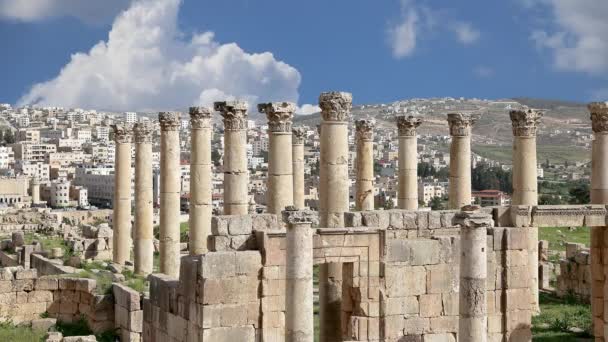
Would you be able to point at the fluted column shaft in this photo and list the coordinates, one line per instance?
(201, 206)
(298, 137)
(144, 209)
(170, 186)
(364, 196)
(236, 179)
(460, 160)
(299, 301)
(121, 221)
(35, 188)
(408, 162)
(525, 184)
(473, 319)
(599, 235)
(279, 193)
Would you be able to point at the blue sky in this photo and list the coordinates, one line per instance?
(169, 54)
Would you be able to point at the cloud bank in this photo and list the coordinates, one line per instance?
(90, 11)
(146, 64)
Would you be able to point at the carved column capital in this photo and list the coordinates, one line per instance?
(365, 129)
(335, 106)
(406, 125)
(234, 114)
(122, 133)
(200, 117)
(461, 124)
(298, 135)
(599, 116)
(525, 122)
(279, 115)
(169, 121)
(292, 216)
(142, 131)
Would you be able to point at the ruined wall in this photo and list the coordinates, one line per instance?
(575, 272)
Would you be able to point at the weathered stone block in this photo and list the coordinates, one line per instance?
(240, 225)
(430, 305)
(126, 297)
(400, 306)
(397, 251)
(424, 252)
(229, 334)
(441, 278)
(405, 281)
(218, 265)
(438, 338)
(233, 315)
(416, 325)
(444, 324)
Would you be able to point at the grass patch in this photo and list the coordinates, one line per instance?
(558, 316)
(556, 154)
(183, 231)
(135, 281)
(10, 332)
(558, 237)
(47, 243)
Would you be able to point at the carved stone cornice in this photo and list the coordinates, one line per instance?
(122, 133)
(279, 115)
(406, 125)
(599, 116)
(525, 122)
(335, 106)
(365, 129)
(200, 117)
(473, 219)
(169, 121)
(292, 216)
(298, 136)
(234, 114)
(142, 132)
(461, 123)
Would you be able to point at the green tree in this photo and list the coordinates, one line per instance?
(485, 177)
(8, 137)
(579, 193)
(426, 170)
(215, 157)
(437, 203)
(549, 200)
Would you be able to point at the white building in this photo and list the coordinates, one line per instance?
(7, 157)
(429, 190)
(130, 117)
(102, 133)
(60, 193)
(40, 170)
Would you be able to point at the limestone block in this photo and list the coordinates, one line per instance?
(209, 316)
(240, 225)
(416, 325)
(177, 327)
(265, 222)
(378, 219)
(518, 277)
(219, 225)
(400, 306)
(441, 278)
(447, 219)
(233, 315)
(444, 324)
(353, 219)
(405, 281)
(521, 215)
(516, 258)
(229, 334)
(424, 252)
(26, 274)
(40, 296)
(434, 218)
(218, 265)
(393, 327)
(573, 248)
(126, 297)
(430, 305)
(18, 239)
(439, 338)
(397, 251)
(240, 242)
(449, 249)
(516, 238)
(219, 243)
(518, 299)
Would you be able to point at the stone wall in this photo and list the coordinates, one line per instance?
(129, 314)
(235, 232)
(575, 272)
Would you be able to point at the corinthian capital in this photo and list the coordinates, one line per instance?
(293, 216)
(365, 129)
(200, 117)
(461, 124)
(525, 122)
(279, 115)
(406, 125)
(169, 121)
(122, 133)
(298, 136)
(599, 116)
(234, 114)
(335, 106)
(143, 132)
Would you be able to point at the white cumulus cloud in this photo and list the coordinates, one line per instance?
(402, 37)
(146, 64)
(465, 32)
(91, 11)
(576, 35)
(307, 109)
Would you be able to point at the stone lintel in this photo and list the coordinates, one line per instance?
(335, 106)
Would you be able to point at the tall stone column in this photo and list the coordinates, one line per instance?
(460, 159)
(299, 303)
(236, 179)
(35, 190)
(364, 136)
(170, 186)
(525, 184)
(473, 319)
(599, 195)
(408, 162)
(121, 220)
(280, 165)
(144, 209)
(333, 173)
(297, 144)
(201, 208)
(333, 203)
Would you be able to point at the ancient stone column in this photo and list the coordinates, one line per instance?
(297, 144)
(279, 192)
(236, 179)
(170, 186)
(333, 173)
(408, 162)
(35, 190)
(121, 221)
(525, 184)
(472, 323)
(364, 167)
(144, 209)
(333, 203)
(200, 179)
(299, 301)
(460, 159)
(599, 195)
